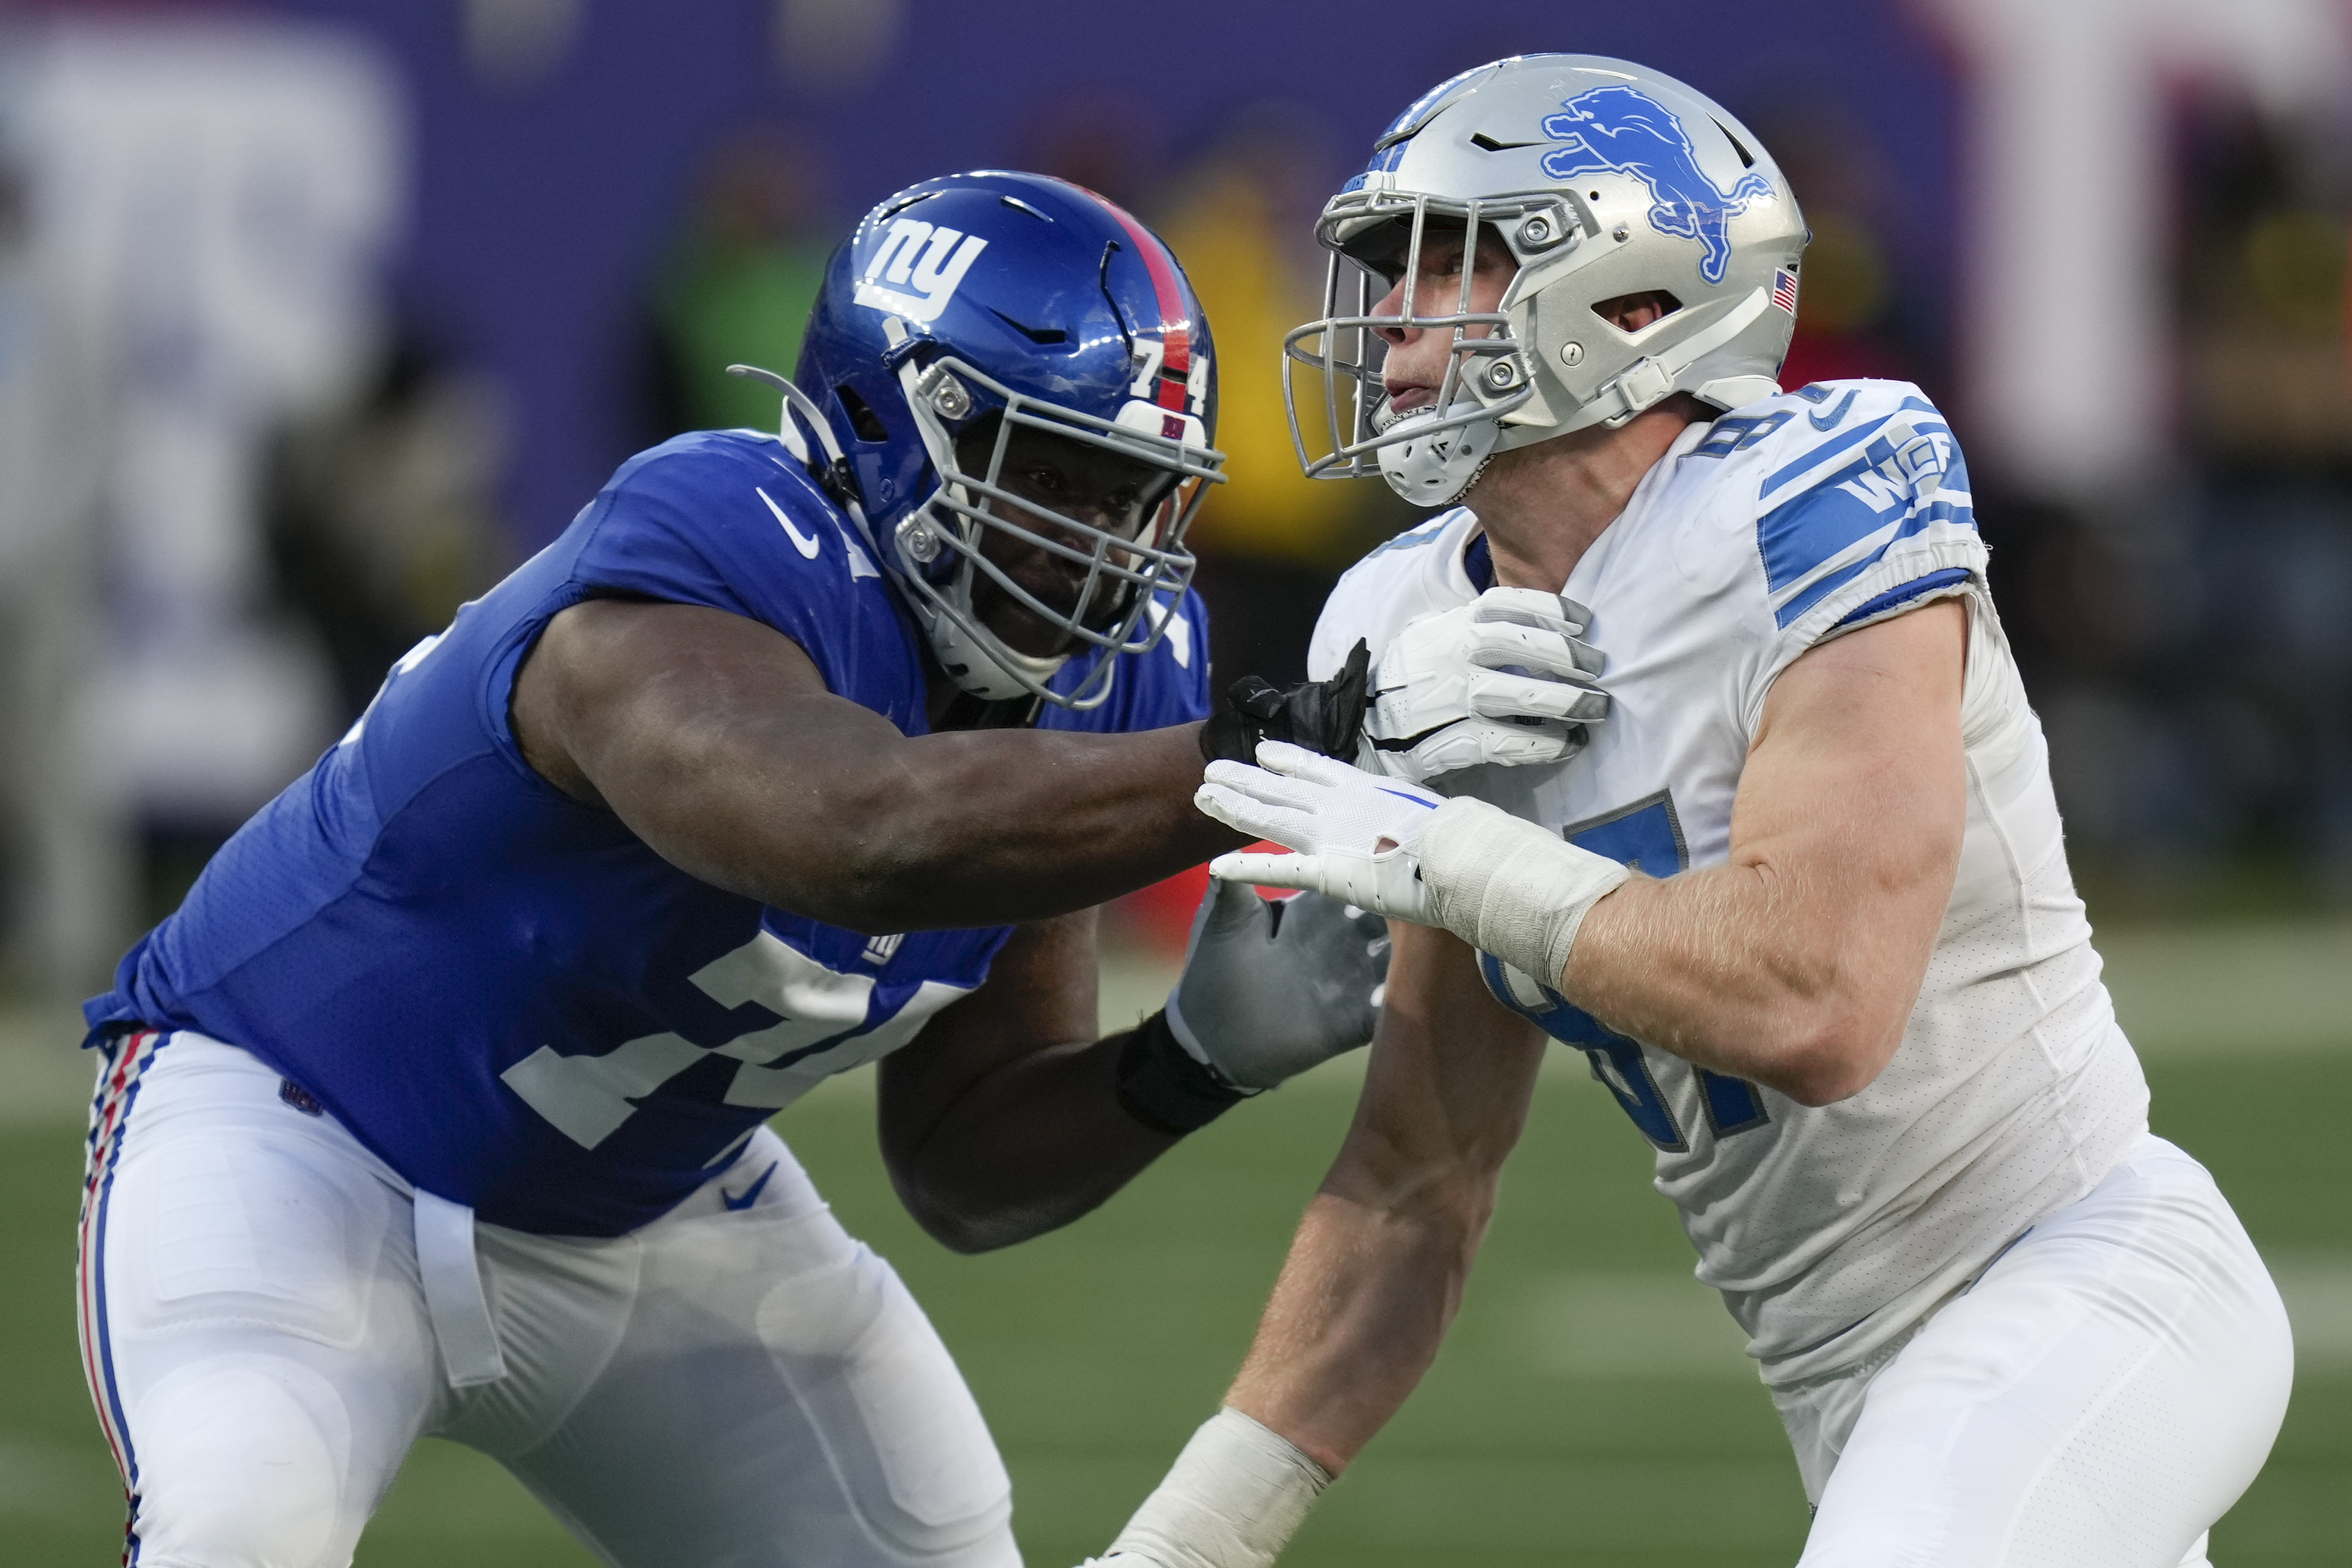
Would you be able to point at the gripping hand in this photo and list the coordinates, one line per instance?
(1271, 989)
(1325, 716)
(1356, 834)
(1505, 679)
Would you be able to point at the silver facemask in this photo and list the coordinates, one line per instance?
(1142, 572)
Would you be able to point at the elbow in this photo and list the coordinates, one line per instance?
(1831, 1057)
(968, 1235)
(970, 1226)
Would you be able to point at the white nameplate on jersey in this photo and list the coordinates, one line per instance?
(806, 544)
(587, 1098)
(915, 270)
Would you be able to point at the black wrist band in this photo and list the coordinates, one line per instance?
(1161, 1085)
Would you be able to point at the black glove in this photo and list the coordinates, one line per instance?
(1326, 716)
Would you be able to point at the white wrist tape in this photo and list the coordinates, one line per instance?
(1231, 1500)
(1509, 887)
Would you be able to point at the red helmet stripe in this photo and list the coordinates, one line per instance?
(1176, 324)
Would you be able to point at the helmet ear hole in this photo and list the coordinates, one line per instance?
(862, 418)
(1632, 312)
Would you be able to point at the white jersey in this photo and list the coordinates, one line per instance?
(1831, 1230)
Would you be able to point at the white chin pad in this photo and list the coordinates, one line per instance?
(1431, 470)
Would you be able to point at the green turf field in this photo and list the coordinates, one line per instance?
(1591, 1406)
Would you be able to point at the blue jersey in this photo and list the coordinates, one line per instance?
(507, 994)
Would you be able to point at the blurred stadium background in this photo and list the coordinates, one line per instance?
(317, 315)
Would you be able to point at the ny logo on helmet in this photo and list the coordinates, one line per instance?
(914, 271)
(1616, 131)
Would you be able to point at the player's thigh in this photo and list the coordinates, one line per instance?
(2102, 1395)
(252, 1333)
(777, 1398)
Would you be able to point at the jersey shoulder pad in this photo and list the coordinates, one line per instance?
(1853, 481)
(727, 518)
(1411, 574)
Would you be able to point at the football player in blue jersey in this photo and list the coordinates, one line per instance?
(440, 1105)
(1803, 903)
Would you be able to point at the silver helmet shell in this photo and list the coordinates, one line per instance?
(1603, 179)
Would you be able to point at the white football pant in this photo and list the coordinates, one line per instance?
(738, 1385)
(2100, 1395)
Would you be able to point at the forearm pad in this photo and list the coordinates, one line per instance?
(1163, 1086)
(1233, 1499)
(1509, 887)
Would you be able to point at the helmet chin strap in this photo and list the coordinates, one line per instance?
(982, 665)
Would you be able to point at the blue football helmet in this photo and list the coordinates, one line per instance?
(965, 310)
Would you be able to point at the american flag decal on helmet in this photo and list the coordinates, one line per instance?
(1784, 289)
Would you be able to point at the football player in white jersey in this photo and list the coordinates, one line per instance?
(1804, 901)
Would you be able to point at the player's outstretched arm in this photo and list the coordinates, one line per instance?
(1795, 963)
(1374, 1274)
(714, 739)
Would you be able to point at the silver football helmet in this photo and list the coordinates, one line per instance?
(1603, 179)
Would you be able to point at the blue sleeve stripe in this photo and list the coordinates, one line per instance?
(1905, 592)
(1816, 527)
(1820, 588)
(1820, 454)
(1841, 569)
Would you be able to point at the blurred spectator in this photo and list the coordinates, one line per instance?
(65, 872)
(381, 515)
(738, 283)
(208, 201)
(1271, 541)
(2187, 643)
(1854, 318)
(1098, 139)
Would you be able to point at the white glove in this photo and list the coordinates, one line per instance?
(1357, 833)
(1505, 886)
(1272, 989)
(1505, 679)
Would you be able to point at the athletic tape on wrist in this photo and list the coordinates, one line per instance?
(1509, 887)
(1162, 1086)
(1233, 1499)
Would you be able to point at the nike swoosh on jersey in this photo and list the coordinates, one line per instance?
(751, 1194)
(806, 544)
(1819, 423)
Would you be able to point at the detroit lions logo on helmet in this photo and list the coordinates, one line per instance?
(1616, 131)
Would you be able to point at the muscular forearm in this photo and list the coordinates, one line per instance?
(1377, 1269)
(1358, 1314)
(717, 741)
(975, 829)
(1028, 1148)
(1741, 971)
(939, 831)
